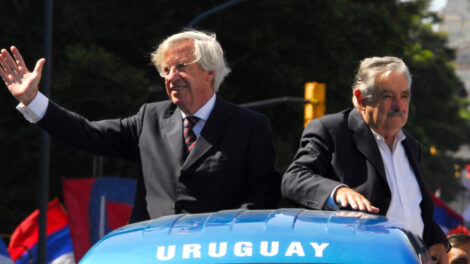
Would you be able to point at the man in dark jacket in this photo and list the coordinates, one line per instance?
(195, 153)
(363, 159)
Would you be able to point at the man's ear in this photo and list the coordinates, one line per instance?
(210, 76)
(358, 95)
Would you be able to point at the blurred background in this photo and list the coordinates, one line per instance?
(101, 69)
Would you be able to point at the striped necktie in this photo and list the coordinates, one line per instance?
(189, 136)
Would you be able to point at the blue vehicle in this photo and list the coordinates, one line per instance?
(260, 236)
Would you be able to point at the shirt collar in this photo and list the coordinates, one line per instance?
(204, 112)
(399, 137)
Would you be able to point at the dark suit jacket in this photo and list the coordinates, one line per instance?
(340, 148)
(231, 165)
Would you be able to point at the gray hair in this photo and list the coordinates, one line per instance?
(207, 52)
(371, 68)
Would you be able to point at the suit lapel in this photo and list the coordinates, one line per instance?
(413, 152)
(413, 159)
(365, 142)
(215, 127)
(173, 129)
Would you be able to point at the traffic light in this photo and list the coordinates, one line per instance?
(467, 167)
(433, 150)
(457, 170)
(315, 94)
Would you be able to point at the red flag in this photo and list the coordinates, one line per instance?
(118, 214)
(76, 195)
(96, 206)
(24, 240)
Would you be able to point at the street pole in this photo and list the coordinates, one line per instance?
(214, 10)
(45, 143)
(273, 101)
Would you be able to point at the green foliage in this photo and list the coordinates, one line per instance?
(102, 84)
(101, 69)
(438, 106)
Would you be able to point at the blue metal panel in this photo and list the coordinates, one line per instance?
(257, 236)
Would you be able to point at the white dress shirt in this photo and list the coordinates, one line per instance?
(34, 111)
(404, 210)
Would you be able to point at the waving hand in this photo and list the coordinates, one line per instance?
(21, 83)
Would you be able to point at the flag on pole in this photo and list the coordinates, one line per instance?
(466, 212)
(24, 241)
(449, 220)
(96, 206)
(4, 255)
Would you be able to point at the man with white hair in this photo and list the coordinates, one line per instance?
(363, 159)
(195, 152)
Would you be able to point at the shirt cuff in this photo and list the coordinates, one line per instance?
(34, 111)
(331, 203)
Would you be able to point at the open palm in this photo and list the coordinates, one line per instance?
(21, 83)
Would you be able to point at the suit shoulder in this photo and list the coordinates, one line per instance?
(158, 105)
(333, 121)
(242, 112)
(157, 108)
(336, 118)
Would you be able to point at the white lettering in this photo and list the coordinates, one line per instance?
(161, 252)
(189, 249)
(319, 248)
(295, 248)
(274, 248)
(213, 250)
(240, 249)
(243, 249)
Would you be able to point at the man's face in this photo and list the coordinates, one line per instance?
(460, 254)
(187, 84)
(387, 111)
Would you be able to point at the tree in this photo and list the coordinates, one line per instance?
(438, 103)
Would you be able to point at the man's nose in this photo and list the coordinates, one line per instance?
(399, 102)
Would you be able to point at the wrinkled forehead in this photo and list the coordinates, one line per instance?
(457, 252)
(395, 81)
(182, 51)
(392, 74)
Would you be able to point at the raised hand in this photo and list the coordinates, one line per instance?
(21, 83)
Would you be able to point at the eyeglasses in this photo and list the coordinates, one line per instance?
(178, 67)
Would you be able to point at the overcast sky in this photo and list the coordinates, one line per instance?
(437, 5)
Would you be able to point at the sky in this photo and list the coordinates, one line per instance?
(437, 5)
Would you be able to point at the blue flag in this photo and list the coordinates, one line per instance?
(24, 241)
(4, 255)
